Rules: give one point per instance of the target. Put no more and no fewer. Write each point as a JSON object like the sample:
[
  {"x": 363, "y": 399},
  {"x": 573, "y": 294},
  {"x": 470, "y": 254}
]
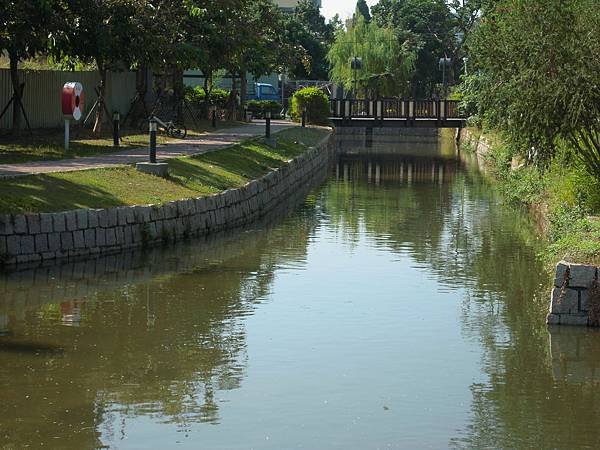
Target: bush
[
  {"x": 258, "y": 107},
  {"x": 196, "y": 96},
  {"x": 316, "y": 103}
]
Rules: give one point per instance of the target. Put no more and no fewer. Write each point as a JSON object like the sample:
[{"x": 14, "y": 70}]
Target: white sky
[{"x": 345, "y": 8}]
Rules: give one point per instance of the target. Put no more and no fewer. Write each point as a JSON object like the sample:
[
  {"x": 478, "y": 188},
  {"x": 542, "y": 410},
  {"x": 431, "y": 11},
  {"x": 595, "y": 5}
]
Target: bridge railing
[{"x": 393, "y": 108}]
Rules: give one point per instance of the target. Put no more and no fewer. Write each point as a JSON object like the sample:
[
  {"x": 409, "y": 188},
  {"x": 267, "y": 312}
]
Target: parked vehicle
[{"x": 264, "y": 91}]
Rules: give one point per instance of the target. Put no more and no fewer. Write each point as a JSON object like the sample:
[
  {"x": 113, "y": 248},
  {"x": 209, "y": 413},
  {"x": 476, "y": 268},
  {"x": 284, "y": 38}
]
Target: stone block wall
[
  {"x": 575, "y": 296},
  {"x": 35, "y": 238}
]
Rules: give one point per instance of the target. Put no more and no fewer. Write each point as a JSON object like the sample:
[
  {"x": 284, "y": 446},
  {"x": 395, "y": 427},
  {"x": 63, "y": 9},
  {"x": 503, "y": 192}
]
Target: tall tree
[
  {"x": 363, "y": 9},
  {"x": 25, "y": 28},
  {"x": 387, "y": 64}
]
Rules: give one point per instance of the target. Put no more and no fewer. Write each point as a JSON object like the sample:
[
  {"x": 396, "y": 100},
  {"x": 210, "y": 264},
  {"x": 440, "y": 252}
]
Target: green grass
[
  {"x": 189, "y": 177},
  {"x": 47, "y": 145}
]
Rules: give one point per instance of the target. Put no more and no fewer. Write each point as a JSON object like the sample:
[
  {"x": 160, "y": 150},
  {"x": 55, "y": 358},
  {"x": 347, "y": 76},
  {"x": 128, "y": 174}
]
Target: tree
[
  {"x": 387, "y": 64},
  {"x": 540, "y": 75},
  {"x": 430, "y": 27},
  {"x": 104, "y": 32},
  {"x": 25, "y": 28},
  {"x": 363, "y": 9}
]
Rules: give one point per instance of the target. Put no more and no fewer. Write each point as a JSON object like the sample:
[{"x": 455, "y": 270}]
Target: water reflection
[{"x": 401, "y": 306}]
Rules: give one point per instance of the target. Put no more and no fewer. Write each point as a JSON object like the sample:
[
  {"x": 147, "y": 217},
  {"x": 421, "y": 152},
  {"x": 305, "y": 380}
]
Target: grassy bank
[
  {"x": 563, "y": 196},
  {"x": 47, "y": 145},
  {"x": 189, "y": 177}
]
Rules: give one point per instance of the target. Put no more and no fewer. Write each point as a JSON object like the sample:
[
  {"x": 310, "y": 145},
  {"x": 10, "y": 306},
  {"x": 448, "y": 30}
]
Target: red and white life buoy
[{"x": 73, "y": 100}]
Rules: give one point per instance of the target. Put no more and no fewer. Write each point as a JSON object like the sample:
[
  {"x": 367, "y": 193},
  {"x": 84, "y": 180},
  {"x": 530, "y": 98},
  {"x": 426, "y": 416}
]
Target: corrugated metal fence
[{"x": 43, "y": 89}]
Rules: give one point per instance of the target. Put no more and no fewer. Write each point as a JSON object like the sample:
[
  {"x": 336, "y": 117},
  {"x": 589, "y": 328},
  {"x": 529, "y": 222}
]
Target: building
[{"x": 289, "y": 5}]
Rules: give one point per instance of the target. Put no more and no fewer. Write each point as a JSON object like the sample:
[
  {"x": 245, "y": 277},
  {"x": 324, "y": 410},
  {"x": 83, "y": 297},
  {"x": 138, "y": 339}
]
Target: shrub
[
  {"x": 316, "y": 103},
  {"x": 196, "y": 96},
  {"x": 258, "y": 107}
]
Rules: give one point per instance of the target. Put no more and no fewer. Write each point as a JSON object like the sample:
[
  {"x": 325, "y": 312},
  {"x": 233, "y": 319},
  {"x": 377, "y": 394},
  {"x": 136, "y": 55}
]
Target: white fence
[{"x": 41, "y": 97}]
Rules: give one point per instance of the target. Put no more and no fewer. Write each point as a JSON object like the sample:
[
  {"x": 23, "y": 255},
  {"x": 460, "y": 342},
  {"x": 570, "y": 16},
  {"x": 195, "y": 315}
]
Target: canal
[{"x": 401, "y": 305}]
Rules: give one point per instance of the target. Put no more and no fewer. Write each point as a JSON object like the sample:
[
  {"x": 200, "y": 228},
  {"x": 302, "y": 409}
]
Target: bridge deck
[{"x": 396, "y": 113}]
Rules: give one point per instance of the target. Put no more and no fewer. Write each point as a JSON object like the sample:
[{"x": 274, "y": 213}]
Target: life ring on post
[{"x": 73, "y": 100}]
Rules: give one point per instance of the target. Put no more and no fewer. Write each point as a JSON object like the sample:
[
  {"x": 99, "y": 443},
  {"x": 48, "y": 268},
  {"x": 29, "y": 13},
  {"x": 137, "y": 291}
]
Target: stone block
[
  {"x": 19, "y": 224},
  {"x": 29, "y": 258},
  {"x": 66, "y": 241},
  {"x": 82, "y": 219},
  {"x": 89, "y": 237},
  {"x": 3, "y": 248},
  {"x": 13, "y": 245},
  {"x": 27, "y": 245},
  {"x": 130, "y": 215},
  {"x": 574, "y": 319},
  {"x": 120, "y": 235},
  {"x": 93, "y": 221},
  {"x": 78, "y": 239},
  {"x": 54, "y": 242},
  {"x": 112, "y": 217},
  {"x": 33, "y": 223},
  {"x": 170, "y": 209},
  {"x": 100, "y": 237},
  {"x": 71, "y": 220},
  {"x": 46, "y": 223},
  {"x": 60, "y": 222},
  {"x": 141, "y": 214},
  {"x": 201, "y": 205},
  {"x": 127, "y": 231},
  {"x": 582, "y": 276},
  {"x": 111, "y": 237},
  {"x": 157, "y": 213},
  {"x": 6, "y": 226},
  {"x": 568, "y": 304},
  {"x": 102, "y": 218},
  {"x": 156, "y": 169},
  {"x": 41, "y": 243},
  {"x": 48, "y": 256}
]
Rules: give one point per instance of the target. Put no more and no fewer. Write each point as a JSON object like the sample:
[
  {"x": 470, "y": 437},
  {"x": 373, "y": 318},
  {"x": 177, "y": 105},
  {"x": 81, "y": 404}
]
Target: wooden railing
[{"x": 387, "y": 108}]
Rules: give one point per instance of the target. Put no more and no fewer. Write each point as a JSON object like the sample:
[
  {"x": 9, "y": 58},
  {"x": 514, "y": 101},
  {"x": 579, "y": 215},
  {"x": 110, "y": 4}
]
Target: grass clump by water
[
  {"x": 189, "y": 177},
  {"x": 564, "y": 196}
]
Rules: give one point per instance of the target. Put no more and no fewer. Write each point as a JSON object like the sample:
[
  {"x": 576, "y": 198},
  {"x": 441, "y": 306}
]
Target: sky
[{"x": 344, "y": 8}]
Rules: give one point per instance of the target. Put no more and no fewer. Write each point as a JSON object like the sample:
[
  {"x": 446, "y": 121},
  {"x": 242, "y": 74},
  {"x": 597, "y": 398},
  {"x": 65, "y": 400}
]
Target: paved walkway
[{"x": 190, "y": 146}]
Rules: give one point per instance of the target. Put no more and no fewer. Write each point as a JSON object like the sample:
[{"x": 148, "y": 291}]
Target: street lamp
[
  {"x": 443, "y": 64},
  {"x": 356, "y": 65},
  {"x": 283, "y": 79}
]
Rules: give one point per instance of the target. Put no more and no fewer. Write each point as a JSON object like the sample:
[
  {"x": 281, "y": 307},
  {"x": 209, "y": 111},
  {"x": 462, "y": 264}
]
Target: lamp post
[
  {"x": 282, "y": 79},
  {"x": 153, "y": 127},
  {"x": 443, "y": 64},
  {"x": 356, "y": 65}
]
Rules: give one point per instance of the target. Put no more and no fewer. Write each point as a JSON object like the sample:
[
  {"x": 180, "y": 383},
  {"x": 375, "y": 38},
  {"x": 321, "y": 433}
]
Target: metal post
[
  {"x": 304, "y": 117},
  {"x": 214, "y": 118},
  {"x": 153, "y": 127},
  {"x": 268, "y": 124},
  {"x": 67, "y": 128},
  {"x": 116, "y": 128}
]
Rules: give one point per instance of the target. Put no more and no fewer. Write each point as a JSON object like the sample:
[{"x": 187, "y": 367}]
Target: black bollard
[
  {"x": 153, "y": 128},
  {"x": 304, "y": 117},
  {"x": 214, "y": 118},
  {"x": 116, "y": 129},
  {"x": 268, "y": 124}
]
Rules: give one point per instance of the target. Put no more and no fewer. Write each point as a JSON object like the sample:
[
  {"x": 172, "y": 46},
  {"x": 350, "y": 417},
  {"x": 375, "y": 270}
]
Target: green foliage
[
  {"x": 197, "y": 96},
  {"x": 316, "y": 103},
  {"x": 540, "y": 76},
  {"x": 363, "y": 9},
  {"x": 387, "y": 63},
  {"x": 259, "y": 106}
]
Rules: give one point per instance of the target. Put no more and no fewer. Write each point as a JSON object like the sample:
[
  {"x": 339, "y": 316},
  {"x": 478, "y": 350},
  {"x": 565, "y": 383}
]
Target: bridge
[{"x": 396, "y": 113}]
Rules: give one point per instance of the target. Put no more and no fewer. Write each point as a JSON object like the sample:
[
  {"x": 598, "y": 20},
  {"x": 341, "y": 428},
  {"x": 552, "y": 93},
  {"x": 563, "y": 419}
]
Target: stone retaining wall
[
  {"x": 32, "y": 239},
  {"x": 575, "y": 296}
]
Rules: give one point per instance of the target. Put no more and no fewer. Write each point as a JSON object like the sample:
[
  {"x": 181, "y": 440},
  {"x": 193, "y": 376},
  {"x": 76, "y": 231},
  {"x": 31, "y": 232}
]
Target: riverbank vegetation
[
  {"x": 189, "y": 177},
  {"x": 536, "y": 87}
]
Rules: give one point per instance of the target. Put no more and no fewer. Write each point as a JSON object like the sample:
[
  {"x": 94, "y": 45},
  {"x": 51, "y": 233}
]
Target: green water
[{"x": 400, "y": 306}]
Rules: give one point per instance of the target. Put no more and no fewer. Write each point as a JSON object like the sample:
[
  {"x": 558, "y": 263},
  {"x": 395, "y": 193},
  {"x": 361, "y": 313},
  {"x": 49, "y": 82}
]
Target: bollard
[
  {"x": 153, "y": 128},
  {"x": 268, "y": 124},
  {"x": 116, "y": 129},
  {"x": 214, "y": 118},
  {"x": 304, "y": 117}
]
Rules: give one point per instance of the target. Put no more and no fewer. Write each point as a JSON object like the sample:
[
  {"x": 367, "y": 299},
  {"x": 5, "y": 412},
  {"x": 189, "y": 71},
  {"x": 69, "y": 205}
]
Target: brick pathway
[{"x": 190, "y": 146}]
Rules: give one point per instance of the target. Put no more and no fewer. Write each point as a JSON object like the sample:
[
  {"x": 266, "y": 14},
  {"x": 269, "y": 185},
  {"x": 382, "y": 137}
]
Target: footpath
[{"x": 188, "y": 147}]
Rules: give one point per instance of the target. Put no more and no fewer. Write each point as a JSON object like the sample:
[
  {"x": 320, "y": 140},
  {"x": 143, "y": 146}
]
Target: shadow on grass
[{"x": 51, "y": 194}]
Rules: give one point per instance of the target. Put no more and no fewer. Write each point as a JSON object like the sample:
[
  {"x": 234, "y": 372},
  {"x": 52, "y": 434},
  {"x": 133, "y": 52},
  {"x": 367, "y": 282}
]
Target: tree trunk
[
  {"x": 243, "y": 87},
  {"x": 16, "y": 106},
  {"x": 178, "y": 93},
  {"x": 101, "y": 101}
]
